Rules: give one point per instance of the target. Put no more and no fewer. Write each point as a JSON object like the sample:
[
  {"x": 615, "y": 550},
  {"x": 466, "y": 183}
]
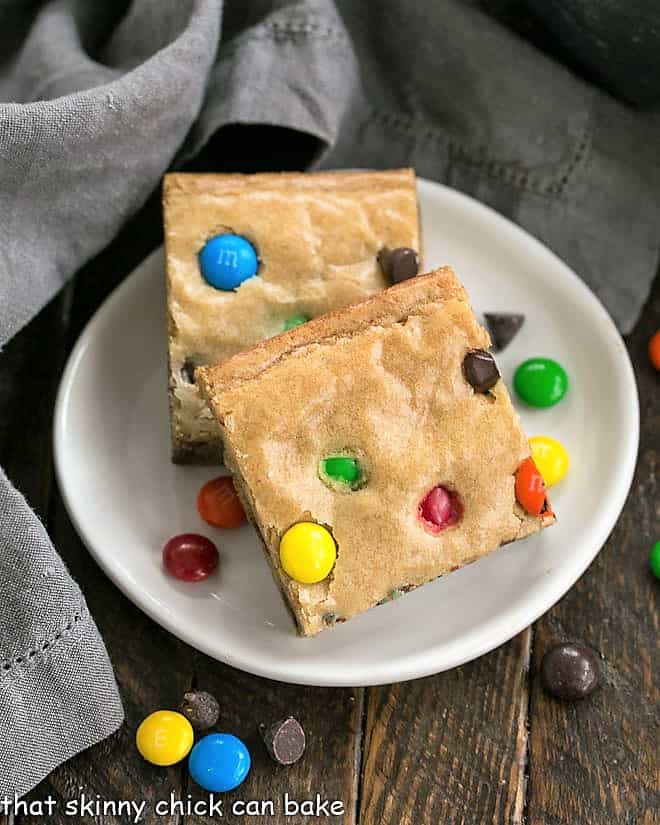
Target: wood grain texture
[
  {"x": 595, "y": 762},
  {"x": 332, "y": 720},
  {"x": 450, "y": 748}
]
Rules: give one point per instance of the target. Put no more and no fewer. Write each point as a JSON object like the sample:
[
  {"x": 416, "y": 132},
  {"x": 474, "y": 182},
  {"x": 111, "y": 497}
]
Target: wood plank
[
  {"x": 332, "y": 720},
  {"x": 450, "y": 748},
  {"x": 596, "y": 761}
]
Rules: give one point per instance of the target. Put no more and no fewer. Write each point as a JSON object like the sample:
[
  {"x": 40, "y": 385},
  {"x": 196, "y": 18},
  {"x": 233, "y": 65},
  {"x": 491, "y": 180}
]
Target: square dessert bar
[
  {"x": 376, "y": 449},
  {"x": 249, "y": 256}
]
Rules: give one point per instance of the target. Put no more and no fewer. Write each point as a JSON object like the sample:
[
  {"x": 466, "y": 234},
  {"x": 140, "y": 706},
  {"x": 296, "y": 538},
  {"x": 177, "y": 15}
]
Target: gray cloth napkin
[{"x": 102, "y": 97}]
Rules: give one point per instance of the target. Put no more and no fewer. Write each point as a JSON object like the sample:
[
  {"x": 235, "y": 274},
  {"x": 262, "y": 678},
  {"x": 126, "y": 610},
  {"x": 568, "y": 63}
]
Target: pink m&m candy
[{"x": 439, "y": 509}]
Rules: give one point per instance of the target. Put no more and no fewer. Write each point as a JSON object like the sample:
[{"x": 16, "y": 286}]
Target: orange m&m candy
[
  {"x": 219, "y": 505},
  {"x": 654, "y": 350},
  {"x": 530, "y": 489}
]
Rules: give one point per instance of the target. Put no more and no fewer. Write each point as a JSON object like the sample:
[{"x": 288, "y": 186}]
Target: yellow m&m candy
[
  {"x": 550, "y": 457},
  {"x": 164, "y": 737},
  {"x": 307, "y": 552}
]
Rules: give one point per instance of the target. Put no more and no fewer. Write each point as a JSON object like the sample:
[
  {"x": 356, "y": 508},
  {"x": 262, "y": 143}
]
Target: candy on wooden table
[
  {"x": 190, "y": 557},
  {"x": 164, "y": 738},
  {"x": 550, "y": 457},
  {"x": 284, "y": 740},
  {"x": 200, "y": 708},
  {"x": 654, "y": 349},
  {"x": 228, "y": 260},
  {"x": 654, "y": 559},
  {"x": 570, "y": 670},
  {"x": 219, "y": 762},
  {"x": 540, "y": 382},
  {"x": 307, "y": 552},
  {"x": 219, "y": 505}
]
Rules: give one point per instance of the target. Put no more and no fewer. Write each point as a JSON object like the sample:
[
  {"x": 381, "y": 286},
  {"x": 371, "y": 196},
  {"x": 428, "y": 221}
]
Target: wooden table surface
[{"x": 481, "y": 744}]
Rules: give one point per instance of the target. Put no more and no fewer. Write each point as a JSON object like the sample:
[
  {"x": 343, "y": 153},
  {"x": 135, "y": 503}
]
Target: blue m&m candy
[
  {"x": 219, "y": 762},
  {"x": 228, "y": 260}
]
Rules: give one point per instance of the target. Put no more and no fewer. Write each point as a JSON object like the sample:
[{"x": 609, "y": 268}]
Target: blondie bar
[
  {"x": 249, "y": 256},
  {"x": 376, "y": 449}
]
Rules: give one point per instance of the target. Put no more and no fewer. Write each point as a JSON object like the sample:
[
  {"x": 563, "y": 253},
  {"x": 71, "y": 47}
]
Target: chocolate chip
[
  {"x": 188, "y": 370},
  {"x": 201, "y": 709},
  {"x": 570, "y": 671},
  {"x": 480, "y": 370},
  {"x": 398, "y": 264},
  {"x": 329, "y": 618},
  {"x": 284, "y": 741},
  {"x": 503, "y": 327}
]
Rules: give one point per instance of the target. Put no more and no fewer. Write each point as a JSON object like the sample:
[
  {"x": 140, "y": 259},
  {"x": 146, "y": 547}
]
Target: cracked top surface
[
  {"x": 382, "y": 381},
  {"x": 317, "y": 236}
]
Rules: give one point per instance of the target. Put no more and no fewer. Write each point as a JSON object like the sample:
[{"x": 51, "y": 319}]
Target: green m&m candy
[
  {"x": 654, "y": 559},
  {"x": 295, "y": 321},
  {"x": 342, "y": 470},
  {"x": 540, "y": 382}
]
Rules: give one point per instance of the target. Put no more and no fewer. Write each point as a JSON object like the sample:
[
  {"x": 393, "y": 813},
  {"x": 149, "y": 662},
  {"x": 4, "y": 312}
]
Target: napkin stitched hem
[{"x": 57, "y": 700}]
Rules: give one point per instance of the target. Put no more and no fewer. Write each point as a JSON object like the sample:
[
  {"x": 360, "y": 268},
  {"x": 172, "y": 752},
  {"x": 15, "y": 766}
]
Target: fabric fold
[{"x": 58, "y": 694}]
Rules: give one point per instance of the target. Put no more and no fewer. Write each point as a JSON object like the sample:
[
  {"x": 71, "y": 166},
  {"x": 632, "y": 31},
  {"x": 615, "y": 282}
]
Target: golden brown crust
[
  {"x": 388, "y": 307},
  {"x": 317, "y": 236},
  {"x": 382, "y": 380},
  {"x": 189, "y": 183}
]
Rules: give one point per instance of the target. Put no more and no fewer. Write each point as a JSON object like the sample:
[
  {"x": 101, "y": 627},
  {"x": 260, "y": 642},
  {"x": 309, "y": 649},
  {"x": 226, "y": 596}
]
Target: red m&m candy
[
  {"x": 439, "y": 509},
  {"x": 190, "y": 557}
]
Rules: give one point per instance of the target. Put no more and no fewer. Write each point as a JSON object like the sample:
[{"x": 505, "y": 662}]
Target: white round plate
[{"x": 126, "y": 498}]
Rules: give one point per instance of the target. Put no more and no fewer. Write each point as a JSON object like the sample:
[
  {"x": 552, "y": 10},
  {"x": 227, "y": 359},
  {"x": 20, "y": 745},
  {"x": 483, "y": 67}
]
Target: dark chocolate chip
[
  {"x": 570, "y": 671},
  {"x": 398, "y": 264},
  {"x": 284, "y": 741},
  {"x": 201, "y": 709},
  {"x": 188, "y": 370},
  {"x": 503, "y": 327},
  {"x": 329, "y": 618},
  {"x": 480, "y": 370}
]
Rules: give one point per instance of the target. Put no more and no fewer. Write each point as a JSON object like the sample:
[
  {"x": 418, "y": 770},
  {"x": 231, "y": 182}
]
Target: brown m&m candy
[
  {"x": 284, "y": 741},
  {"x": 480, "y": 370},
  {"x": 398, "y": 264},
  {"x": 570, "y": 671}
]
